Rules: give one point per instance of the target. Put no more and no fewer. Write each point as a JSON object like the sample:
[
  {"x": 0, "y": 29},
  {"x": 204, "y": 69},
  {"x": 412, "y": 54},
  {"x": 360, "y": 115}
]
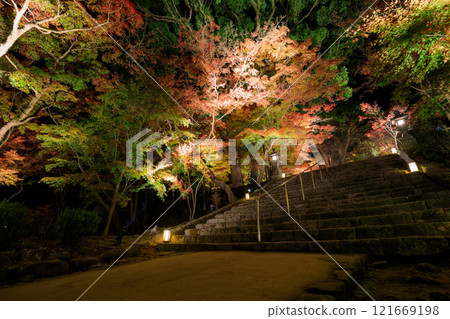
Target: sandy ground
[{"x": 233, "y": 275}]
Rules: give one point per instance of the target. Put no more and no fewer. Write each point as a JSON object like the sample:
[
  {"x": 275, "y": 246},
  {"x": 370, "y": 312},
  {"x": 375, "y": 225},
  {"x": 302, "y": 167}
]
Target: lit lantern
[
  {"x": 247, "y": 196},
  {"x": 413, "y": 167},
  {"x": 400, "y": 122},
  {"x": 394, "y": 150},
  {"x": 166, "y": 235},
  {"x": 283, "y": 175}
]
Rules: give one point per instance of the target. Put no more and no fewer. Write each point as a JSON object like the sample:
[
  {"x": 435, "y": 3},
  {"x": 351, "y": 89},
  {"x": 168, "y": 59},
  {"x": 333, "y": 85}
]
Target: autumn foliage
[{"x": 382, "y": 127}]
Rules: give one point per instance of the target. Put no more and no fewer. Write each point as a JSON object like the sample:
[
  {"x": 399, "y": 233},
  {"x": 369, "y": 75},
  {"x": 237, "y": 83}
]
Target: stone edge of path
[{"x": 342, "y": 287}]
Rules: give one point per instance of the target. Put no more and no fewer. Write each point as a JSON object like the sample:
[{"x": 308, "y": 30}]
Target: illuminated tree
[
  {"x": 49, "y": 51},
  {"x": 383, "y": 128},
  {"x": 411, "y": 50}
]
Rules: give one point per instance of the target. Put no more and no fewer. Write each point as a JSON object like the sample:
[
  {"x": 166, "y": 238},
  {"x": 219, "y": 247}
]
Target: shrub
[
  {"x": 73, "y": 223},
  {"x": 433, "y": 140},
  {"x": 14, "y": 223}
]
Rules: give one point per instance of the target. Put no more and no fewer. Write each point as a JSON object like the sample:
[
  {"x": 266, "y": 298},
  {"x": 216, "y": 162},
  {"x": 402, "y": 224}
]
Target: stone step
[
  {"x": 328, "y": 213},
  {"x": 295, "y": 194},
  {"x": 285, "y": 223},
  {"x": 375, "y": 248},
  {"x": 362, "y": 201},
  {"x": 349, "y": 198},
  {"x": 372, "y": 207},
  {"x": 390, "y": 214},
  {"x": 357, "y": 181},
  {"x": 361, "y": 232},
  {"x": 362, "y": 176},
  {"x": 380, "y": 187}
]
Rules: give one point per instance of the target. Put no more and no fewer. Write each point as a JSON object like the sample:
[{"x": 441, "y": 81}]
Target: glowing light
[
  {"x": 394, "y": 150},
  {"x": 401, "y": 122},
  {"x": 166, "y": 235},
  {"x": 283, "y": 175},
  {"x": 413, "y": 167},
  {"x": 275, "y": 157},
  {"x": 247, "y": 196}
]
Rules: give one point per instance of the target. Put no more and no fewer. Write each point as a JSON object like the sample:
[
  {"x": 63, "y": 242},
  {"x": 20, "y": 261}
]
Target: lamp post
[
  {"x": 398, "y": 125},
  {"x": 274, "y": 159}
]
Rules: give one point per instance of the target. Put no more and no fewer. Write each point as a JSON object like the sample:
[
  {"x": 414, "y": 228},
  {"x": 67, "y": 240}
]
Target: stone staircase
[{"x": 373, "y": 207}]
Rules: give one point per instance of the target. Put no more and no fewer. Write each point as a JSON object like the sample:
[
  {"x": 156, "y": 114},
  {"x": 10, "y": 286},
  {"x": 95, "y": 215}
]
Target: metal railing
[{"x": 258, "y": 218}]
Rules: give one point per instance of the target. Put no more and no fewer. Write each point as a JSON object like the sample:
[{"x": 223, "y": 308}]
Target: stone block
[
  {"x": 48, "y": 268},
  {"x": 412, "y": 206},
  {"x": 414, "y": 246},
  {"x": 370, "y": 247},
  {"x": 415, "y": 230},
  {"x": 335, "y": 223},
  {"x": 375, "y": 231},
  {"x": 285, "y": 235},
  {"x": 83, "y": 263},
  {"x": 337, "y": 233},
  {"x": 337, "y": 289},
  {"x": 191, "y": 232},
  {"x": 331, "y": 246},
  {"x": 430, "y": 215}
]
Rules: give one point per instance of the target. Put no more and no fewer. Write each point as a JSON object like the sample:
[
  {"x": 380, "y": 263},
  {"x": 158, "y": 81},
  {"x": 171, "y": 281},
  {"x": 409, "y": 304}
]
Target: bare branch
[
  {"x": 272, "y": 12},
  {"x": 20, "y": 13},
  {"x": 10, "y": 61},
  {"x": 49, "y": 31},
  {"x": 312, "y": 8}
]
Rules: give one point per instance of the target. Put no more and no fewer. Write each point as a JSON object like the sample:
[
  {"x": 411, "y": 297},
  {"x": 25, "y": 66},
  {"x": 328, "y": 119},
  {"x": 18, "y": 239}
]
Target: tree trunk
[
  {"x": 111, "y": 211},
  {"x": 254, "y": 169},
  {"x": 204, "y": 196},
  {"x": 222, "y": 185},
  {"x": 133, "y": 212},
  {"x": 236, "y": 176},
  {"x": 343, "y": 150}
]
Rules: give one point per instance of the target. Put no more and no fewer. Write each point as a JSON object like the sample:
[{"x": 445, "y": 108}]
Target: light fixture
[
  {"x": 413, "y": 167},
  {"x": 247, "y": 196},
  {"x": 275, "y": 157},
  {"x": 283, "y": 175},
  {"x": 166, "y": 235},
  {"x": 401, "y": 122},
  {"x": 249, "y": 190},
  {"x": 394, "y": 150}
]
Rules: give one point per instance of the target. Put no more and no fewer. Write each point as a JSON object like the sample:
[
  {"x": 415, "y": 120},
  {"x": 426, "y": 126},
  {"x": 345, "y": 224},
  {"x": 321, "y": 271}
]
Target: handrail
[
  {"x": 258, "y": 221},
  {"x": 282, "y": 184}
]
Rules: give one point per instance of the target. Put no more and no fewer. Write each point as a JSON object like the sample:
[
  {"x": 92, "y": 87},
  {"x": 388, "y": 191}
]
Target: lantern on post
[
  {"x": 399, "y": 120},
  {"x": 167, "y": 234},
  {"x": 413, "y": 167},
  {"x": 399, "y": 128},
  {"x": 274, "y": 159}
]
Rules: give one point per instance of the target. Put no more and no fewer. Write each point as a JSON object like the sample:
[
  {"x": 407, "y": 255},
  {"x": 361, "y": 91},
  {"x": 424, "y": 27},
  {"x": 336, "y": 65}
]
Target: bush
[
  {"x": 365, "y": 149},
  {"x": 73, "y": 223},
  {"x": 433, "y": 140},
  {"x": 14, "y": 223}
]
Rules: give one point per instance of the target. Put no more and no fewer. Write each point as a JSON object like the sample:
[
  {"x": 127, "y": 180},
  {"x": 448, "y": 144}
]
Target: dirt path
[{"x": 194, "y": 276}]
